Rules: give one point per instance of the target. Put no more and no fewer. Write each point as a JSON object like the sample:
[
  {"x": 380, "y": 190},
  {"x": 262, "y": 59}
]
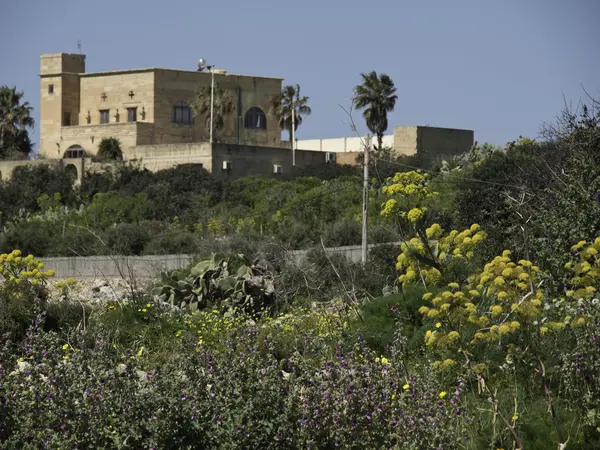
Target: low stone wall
[
  {"x": 144, "y": 267},
  {"x": 115, "y": 267}
]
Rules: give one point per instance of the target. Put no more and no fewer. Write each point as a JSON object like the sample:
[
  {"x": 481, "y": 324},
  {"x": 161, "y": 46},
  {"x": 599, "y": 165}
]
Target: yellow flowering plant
[
  {"x": 430, "y": 254},
  {"x": 412, "y": 188},
  {"x": 502, "y": 322},
  {"x": 23, "y": 290},
  {"x": 498, "y": 307},
  {"x": 428, "y": 258}
]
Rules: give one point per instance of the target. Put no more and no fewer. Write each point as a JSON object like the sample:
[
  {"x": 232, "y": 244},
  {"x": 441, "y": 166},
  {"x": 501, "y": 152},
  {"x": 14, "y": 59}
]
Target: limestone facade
[{"x": 145, "y": 107}]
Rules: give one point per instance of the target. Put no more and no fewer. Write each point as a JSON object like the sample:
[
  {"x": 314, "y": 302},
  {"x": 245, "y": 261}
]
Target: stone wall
[
  {"x": 150, "y": 266},
  {"x": 174, "y": 86},
  {"x": 405, "y": 140},
  {"x": 436, "y": 144},
  {"x": 165, "y": 156},
  {"x": 89, "y": 136},
  {"x": 251, "y": 160},
  {"x": 79, "y": 164},
  {"x": 111, "y": 91}
]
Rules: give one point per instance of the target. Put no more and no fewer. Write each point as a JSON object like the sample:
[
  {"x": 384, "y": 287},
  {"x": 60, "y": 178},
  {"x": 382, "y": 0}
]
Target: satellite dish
[{"x": 201, "y": 65}]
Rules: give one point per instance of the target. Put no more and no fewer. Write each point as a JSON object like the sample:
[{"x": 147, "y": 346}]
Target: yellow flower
[
  {"x": 499, "y": 281},
  {"x": 496, "y": 310},
  {"x": 144, "y": 310},
  {"x": 415, "y": 214},
  {"x": 406, "y": 386},
  {"x": 65, "y": 347},
  {"x": 442, "y": 394},
  {"x": 148, "y": 305},
  {"x": 438, "y": 325},
  {"x": 453, "y": 336},
  {"x": 515, "y": 417}
]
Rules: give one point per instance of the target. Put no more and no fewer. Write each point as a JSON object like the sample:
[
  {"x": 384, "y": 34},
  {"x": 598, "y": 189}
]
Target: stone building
[
  {"x": 148, "y": 110},
  {"x": 429, "y": 144},
  {"x": 144, "y": 107}
]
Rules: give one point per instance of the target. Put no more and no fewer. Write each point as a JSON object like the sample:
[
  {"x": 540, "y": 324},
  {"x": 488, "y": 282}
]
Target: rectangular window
[
  {"x": 131, "y": 114},
  {"x": 50, "y": 89},
  {"x": 67, "y": 119},
  {"x": 104, "y": 116}
]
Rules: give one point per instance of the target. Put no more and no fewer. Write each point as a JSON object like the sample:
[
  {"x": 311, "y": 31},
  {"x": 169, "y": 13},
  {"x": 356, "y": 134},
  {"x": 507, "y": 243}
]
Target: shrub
[
  {"x": 61, "y": 393},
  {"x": 109, "y": 149},
  {"x": 125, "y": 239},
  {"x": 231, "y": 281},
  {"x": 23, "y": 292}
]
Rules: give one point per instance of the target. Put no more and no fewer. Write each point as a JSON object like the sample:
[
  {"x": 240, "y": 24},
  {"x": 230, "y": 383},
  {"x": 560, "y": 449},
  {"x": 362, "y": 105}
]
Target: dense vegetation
[
  {"x": 134, "y": 211},
  {"x": 480, "y": 330}
]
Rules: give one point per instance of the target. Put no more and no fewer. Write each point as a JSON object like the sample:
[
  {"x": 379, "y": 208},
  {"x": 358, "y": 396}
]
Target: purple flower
[{"x": 394, "y": 308}]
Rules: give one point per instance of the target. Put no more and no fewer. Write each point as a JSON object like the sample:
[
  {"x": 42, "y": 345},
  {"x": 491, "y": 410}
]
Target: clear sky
[{"x": 499, "y": 67}]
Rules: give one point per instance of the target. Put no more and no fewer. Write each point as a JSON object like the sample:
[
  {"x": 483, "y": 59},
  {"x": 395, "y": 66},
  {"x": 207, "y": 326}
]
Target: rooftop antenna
[{"x": 78, "y": 46}]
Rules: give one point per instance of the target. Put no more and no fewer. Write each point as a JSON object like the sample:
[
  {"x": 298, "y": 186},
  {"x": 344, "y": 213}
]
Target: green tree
[
  {"x": 109, "y": 149},
  {"x": 223, "y": 105},
  {"x": 283, "y": 104},
  {"x": 378, "y": 95},
  {"x": 15, "y": 119}
]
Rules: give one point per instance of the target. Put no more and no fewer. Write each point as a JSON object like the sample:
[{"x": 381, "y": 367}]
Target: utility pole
[
  {"x": 365, "y": 225},
  {"x": 293, "y": 135},
  {"x": 212, "y": 99}
]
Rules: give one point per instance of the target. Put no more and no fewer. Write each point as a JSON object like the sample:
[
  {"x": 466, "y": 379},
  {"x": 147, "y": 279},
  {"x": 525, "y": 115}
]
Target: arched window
[
  {"x": 255, "y": 119},
  {"x": 182, "y": 113},
  {"x": 74, "y": 151}
]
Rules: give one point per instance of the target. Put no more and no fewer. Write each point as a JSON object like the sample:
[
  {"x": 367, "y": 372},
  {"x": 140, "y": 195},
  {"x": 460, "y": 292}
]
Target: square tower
[{"x": 59, "y": 98}]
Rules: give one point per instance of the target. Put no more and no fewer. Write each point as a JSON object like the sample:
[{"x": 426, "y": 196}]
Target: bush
[
  {"x": 125, "y": 239},
  {"x": 227, "y": 393},
  {"x": 109, "y": 149},
  {"x": 23, "y": 292}
]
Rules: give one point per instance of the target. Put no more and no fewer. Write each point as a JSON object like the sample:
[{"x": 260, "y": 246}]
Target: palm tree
[
  {"x": 15, "y": 119},
  {"x": 378, "y": 96},
  {"x": 283, "y": 104},
  {"x": 223, "y": 105}
]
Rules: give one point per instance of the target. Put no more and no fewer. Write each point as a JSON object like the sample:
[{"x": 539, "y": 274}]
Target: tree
[
  {"x": 283, "y": 104},
  {"x": 109, "y": 149},
  {"x": 223, "y": 105},
  {"x": 378, "y": 96},
  {"x": 15, "y": 119}
]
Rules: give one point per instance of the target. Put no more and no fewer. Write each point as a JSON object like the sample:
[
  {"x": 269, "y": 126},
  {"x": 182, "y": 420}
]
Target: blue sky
[{"x": 500, "y": 67}]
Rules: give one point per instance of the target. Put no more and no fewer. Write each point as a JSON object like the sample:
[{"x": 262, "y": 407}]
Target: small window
[
  {"x": 67, "y": 119},
  {"x": 182, "y": 113},
  {"x": 50, "y": 89},
  {"x": 131, "y": 114},
  {"x": 104, "y": 116},
  {"x": 255, "y": 119}
]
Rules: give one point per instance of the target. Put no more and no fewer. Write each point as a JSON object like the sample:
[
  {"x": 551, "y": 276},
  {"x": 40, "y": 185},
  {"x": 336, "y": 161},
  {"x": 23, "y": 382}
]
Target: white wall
[{"x": 340, "y": 145}]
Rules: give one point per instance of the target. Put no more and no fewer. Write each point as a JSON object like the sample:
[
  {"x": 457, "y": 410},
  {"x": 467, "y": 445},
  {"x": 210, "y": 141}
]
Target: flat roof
[{"x": 153, "y": 69}]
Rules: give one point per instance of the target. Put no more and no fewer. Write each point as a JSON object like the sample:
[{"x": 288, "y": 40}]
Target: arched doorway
[{"x": 71, "y": 171}]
